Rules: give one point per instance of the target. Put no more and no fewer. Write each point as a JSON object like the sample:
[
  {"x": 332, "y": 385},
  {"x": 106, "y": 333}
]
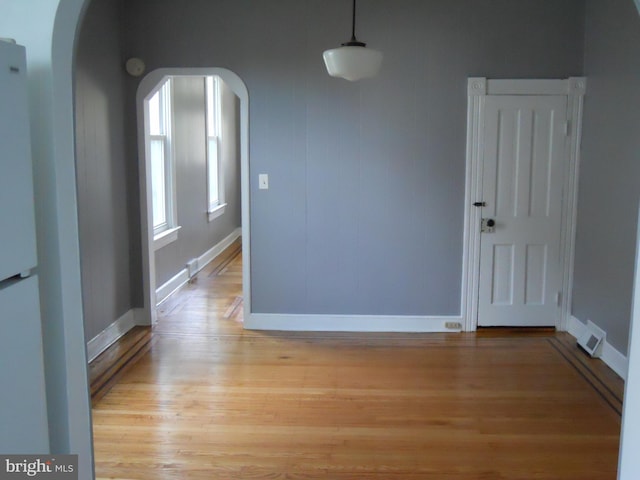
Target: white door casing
[
  {"x": 522, "y": 159},
  {"x": 530, "y": 117}
]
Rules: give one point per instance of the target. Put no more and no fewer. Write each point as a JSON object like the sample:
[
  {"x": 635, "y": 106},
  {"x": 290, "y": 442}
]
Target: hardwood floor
[
  {"x": 212, "y": 401},
  {"x": 110, "y": 366}
]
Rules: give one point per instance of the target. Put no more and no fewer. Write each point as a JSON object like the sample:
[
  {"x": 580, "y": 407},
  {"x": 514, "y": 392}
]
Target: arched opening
[{"x": 146, "y": 90}]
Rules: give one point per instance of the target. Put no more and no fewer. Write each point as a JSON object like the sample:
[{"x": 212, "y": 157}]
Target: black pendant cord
[
  {"x": 354, "y": 42},
  {"x": 353, "y": 23}
]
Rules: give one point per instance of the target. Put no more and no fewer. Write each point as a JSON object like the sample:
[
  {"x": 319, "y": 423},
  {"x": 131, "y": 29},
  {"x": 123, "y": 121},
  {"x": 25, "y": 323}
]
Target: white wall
[
  {"x": 629, "y": 468},
  {"x": 630, "y": 440}
]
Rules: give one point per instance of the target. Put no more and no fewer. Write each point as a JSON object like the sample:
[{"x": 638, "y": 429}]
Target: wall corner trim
[
  {"x": 612, "y": 357},
  {"x": 111, "y": 334},
  {"x": 179, "y": 279}
]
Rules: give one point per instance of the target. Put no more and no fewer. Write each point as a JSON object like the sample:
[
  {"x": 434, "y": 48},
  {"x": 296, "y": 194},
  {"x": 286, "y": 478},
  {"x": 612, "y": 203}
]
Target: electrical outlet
[{"x": 453, "y": 325}]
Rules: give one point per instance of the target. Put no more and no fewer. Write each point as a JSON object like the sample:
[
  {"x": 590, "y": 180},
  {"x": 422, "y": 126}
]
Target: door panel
[
  {"x": 520, "y": 269},
  {"x": 536, "y": 274},
  {"x": 502, "y": 288}
]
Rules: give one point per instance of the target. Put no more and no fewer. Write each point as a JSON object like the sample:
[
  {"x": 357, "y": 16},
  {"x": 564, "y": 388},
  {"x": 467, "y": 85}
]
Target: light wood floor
[{"x": 212, "y": 401}]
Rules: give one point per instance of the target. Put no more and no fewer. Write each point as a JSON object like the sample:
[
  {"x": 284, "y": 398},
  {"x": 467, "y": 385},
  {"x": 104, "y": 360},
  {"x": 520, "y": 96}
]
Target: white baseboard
[
  {"x": 178, "y": 280},
  {"x": 164, "y": 291},
  {"x": 350, "y": 323},
  {"x": 210, "y": 255},
  {"x": 612, "y": 357},
  {"x": 112, "y": 333}
]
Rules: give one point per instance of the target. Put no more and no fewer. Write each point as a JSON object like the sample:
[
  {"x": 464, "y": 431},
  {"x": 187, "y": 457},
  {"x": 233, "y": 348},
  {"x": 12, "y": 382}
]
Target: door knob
[{"x": 488, "y": 225}]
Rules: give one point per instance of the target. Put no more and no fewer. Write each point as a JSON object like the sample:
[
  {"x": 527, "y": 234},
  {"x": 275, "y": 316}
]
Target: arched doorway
[{"x": 146, "y": 87}]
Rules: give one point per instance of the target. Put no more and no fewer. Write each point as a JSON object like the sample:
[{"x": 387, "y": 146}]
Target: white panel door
[{"x": 522, "y": 162}]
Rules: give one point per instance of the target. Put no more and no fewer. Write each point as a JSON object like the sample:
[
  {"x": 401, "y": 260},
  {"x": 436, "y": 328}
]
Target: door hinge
[
  {"x": 567, "y": 128},
  {"x": 559, "y": 299}
]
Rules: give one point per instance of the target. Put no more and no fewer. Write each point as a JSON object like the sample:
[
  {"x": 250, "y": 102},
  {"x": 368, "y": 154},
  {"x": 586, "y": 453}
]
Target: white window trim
[
  {"x": 171, "y": 209},
  {"x": 165, "y": 237},
  {"x": 167, "y": 183},
  {"x": 215, "y": 209}
]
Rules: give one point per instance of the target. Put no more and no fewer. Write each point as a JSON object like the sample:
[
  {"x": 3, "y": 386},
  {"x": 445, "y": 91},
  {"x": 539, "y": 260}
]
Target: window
[
  {"x": 215, "y": 182},
  {"x": 161, "y": 165}
]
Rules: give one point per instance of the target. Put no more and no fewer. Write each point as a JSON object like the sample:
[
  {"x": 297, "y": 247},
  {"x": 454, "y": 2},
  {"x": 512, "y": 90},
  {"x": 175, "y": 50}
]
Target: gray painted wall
[
  {"x": 103, "y": 169},
  {"x": 197, "y": 234},
  {"x": 610, "y": 170},
  {"x": 365, "y": 210}
]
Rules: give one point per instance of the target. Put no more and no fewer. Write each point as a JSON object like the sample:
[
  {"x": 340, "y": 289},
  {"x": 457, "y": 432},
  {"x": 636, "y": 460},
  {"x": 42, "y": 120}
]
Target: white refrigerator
[{"x": 23, "y": 410}]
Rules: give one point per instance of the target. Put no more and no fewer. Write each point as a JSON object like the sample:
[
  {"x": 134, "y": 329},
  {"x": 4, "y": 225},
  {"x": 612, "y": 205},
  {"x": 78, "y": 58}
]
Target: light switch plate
[{"x": 263, "y": 181}]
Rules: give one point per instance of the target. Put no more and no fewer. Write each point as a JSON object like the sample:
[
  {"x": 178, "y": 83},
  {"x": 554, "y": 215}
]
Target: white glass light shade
[{"x": 352, "y": 62}]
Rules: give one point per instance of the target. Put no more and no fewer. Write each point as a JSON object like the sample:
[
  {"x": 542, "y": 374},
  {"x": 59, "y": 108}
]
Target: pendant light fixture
[{"x": 353, "y": 61}]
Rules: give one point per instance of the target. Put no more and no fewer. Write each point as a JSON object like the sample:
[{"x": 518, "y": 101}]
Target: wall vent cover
[
  {"x": 591, "y": 340},
  {"x": 192, "y": 267}
]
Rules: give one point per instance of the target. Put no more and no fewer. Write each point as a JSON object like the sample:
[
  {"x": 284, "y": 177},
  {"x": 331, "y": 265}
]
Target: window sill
[
  {"x": 165, "y": 238},
  {"x": 217, "y": 212}
]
